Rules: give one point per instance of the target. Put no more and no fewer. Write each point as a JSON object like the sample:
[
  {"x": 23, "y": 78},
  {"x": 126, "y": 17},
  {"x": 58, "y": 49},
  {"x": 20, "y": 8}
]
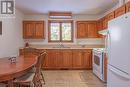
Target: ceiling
[{"x": 92, "y": 7}]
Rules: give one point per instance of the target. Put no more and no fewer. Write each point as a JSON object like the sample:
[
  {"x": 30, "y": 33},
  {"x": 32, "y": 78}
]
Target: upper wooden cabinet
[
  {"x": 120, "y": 11},
  {"x": 92, "y": 30},
  {"x": 110, "y": 16},
  {"x": 82, "y": 29},
  {"x": 128, "y": 7},
  {"x": 33, "y": 29},
  {"x": 100, "y": 24},
  {"x": 87, "y": 29},
  {"x": 105, "y": 22}
]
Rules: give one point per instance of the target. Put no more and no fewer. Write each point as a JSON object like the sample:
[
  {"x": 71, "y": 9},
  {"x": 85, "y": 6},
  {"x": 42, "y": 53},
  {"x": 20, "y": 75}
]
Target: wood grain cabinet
[
  {"x": 33, "y": 29},
  {"x": 128, "y": 7},
  {"x": 82, "y": 29},
  {"x": 110, "y": 16},
  {"x": 87, "y": 29},
  {"x": 67, "y": 59},
  {"x": 82, "y": 59},
  {"x": 92, "y": 30},
  {"x": 53, "y": 59},
  {"x": 120, "y": 11},
  {"x": 105, "y": 22}
]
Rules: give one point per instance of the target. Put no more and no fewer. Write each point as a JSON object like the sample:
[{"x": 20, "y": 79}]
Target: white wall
[
  {"x": 11, "y": 38},
  {"x": 45, "y": 18}
]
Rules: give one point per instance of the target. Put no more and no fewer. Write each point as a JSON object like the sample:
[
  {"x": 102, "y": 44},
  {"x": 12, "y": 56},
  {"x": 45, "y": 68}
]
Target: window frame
[{"x": 60, "y": 21}]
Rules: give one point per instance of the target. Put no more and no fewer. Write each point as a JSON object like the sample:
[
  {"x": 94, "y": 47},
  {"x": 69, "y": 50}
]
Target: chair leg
[{"x": 43, "y": 77}]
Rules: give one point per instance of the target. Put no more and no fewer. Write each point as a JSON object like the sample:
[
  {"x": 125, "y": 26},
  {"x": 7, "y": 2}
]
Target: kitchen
[{"x": 79, "y": 44}]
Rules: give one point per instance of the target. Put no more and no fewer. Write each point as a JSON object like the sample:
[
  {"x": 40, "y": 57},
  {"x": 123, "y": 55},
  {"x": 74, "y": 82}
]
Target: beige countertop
[{"x": 66, "y": 46}]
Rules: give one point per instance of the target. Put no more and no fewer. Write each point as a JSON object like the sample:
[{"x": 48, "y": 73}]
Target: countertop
[{"x": 66, "y": 46}]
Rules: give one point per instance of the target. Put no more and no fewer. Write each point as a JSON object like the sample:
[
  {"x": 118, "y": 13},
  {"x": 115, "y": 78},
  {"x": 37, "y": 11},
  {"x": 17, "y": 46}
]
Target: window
[{"x": 60, "y": 31}]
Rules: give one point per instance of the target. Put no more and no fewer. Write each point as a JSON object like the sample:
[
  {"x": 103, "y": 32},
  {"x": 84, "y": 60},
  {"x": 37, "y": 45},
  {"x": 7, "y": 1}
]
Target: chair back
[
  {"x": 40, "y": 60},
  {"x": 36, "y": 79}
]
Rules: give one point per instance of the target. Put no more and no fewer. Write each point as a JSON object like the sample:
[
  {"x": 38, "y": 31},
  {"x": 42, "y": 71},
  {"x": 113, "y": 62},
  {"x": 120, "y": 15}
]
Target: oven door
[{"x": 98, "y": 64}]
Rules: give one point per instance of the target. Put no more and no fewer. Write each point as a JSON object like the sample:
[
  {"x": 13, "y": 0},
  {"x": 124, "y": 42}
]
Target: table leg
[{"x": 10, "y": 82}]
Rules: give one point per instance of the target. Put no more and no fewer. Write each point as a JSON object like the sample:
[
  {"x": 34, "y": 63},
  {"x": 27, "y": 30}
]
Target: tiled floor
[{"x": 71, "y": 78}]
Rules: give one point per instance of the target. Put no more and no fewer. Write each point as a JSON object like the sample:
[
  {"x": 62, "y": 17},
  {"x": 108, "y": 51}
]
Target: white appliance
[
  {"x": 119, "y": 52},
  {"x": 98, "y": 63}
]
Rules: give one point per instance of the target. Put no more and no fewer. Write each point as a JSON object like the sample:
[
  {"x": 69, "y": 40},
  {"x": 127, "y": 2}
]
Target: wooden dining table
[{"x": 9, "y": 71}]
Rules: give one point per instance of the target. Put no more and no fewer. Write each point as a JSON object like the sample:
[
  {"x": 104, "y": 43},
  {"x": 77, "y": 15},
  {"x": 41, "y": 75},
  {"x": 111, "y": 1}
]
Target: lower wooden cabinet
[{"x": 67, "y": 59}]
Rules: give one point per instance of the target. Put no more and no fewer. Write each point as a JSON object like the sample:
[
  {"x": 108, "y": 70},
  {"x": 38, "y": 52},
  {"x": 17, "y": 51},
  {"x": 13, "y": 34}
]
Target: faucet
[{"x": 61, "y": 45}]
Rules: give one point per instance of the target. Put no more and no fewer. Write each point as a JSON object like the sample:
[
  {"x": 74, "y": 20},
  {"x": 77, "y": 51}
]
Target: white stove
[{"x": 98, "y": 62}]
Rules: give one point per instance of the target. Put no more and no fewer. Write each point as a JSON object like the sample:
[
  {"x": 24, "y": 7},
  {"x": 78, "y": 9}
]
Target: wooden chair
[
  {"x": 32, "y": 79},
  {"x": 3, "y": 85}
]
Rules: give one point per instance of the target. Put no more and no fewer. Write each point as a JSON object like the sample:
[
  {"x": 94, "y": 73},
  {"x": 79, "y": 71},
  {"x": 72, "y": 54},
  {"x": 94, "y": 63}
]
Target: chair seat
[
  {"x": 3, "y": 85},
  {"x": 26, "y": 78}
]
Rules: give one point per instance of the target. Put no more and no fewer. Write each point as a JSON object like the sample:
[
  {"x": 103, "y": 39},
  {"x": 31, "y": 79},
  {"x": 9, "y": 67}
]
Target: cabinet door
[
  {"x": 92, "y": 30},
  {"x": 87, "y": 58},
  {"x": 77, "y": 59},
  {"x": 82, "y": 30},
  {"x": 120, "y": 11},
  {"x": 28, "y": 30},
  {"x": 100, "y": 25},
  {"x": 52, "y": 59},
  {"x": 111, "y": 16},
  {"x": 128, "y": 7},
  {"x": 105, "y": 22},
  {"x": 39, "y": 30},
  {"x": 67, "y": 58}
]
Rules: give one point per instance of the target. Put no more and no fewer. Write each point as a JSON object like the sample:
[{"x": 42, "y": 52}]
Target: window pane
[
  {"x": 66, "y": 31},
  {"x": 55, "y": 31}
]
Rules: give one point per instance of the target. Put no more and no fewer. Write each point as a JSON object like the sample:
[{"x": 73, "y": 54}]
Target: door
[
  {"x": 82, "y": 29},
  {"x": 120, "y": 11},
  {"x": 53, "y": 59},
  {"x": 119, "y": 43},
  {"x": 78, "y": 59},
  {"x": 117, "y": 78},
  {"x": 87, "y": 59},
  {"x": 39, "y": 29},
  {"x": 128, "y": 7},
  {"x": 28, "y": 29},
  {"x": 67, "y": 58},
  {"x": 92, "y": 30}
]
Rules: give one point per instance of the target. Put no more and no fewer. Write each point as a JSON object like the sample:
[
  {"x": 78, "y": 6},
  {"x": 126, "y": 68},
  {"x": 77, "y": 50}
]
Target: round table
[{"x": 9, "y": 71}]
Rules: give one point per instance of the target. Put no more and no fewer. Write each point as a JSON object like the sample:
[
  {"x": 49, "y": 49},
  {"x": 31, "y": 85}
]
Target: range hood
[{"x": 103, "y": 32}]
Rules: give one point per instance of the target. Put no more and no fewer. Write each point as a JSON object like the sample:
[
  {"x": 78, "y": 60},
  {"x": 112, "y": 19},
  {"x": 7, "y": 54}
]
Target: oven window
[{"x": 96, "y": 60}]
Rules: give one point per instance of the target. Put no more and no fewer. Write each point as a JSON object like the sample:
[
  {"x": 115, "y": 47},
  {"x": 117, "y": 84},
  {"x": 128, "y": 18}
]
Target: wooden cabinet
[
  {"x": 87, "y": 59},
  {"x": 77, "y": 59},
  {"x": 33, "y": 29},
  {"x": 92, "y": 30},
  {"x": 105, "y": 67},
  {"x": 53, "y": 59},
  {"x": 67, "y": 58},
  {"x": 111, "y": 16},
  {"x": 120, "y": 11},
  {"x": 105, "y": 22},
  {"x": 82, "y": 59},
  {"x": 87, "y": 29},
  {"x": 128, "y": 7},
  {"x": 100, "y": 24},
  {"x": 82, "y": 29}
]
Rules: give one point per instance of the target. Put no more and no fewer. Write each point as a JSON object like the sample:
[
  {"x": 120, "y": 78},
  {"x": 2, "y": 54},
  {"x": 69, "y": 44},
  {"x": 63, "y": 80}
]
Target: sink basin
[{"x": 60, "y": 47}]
